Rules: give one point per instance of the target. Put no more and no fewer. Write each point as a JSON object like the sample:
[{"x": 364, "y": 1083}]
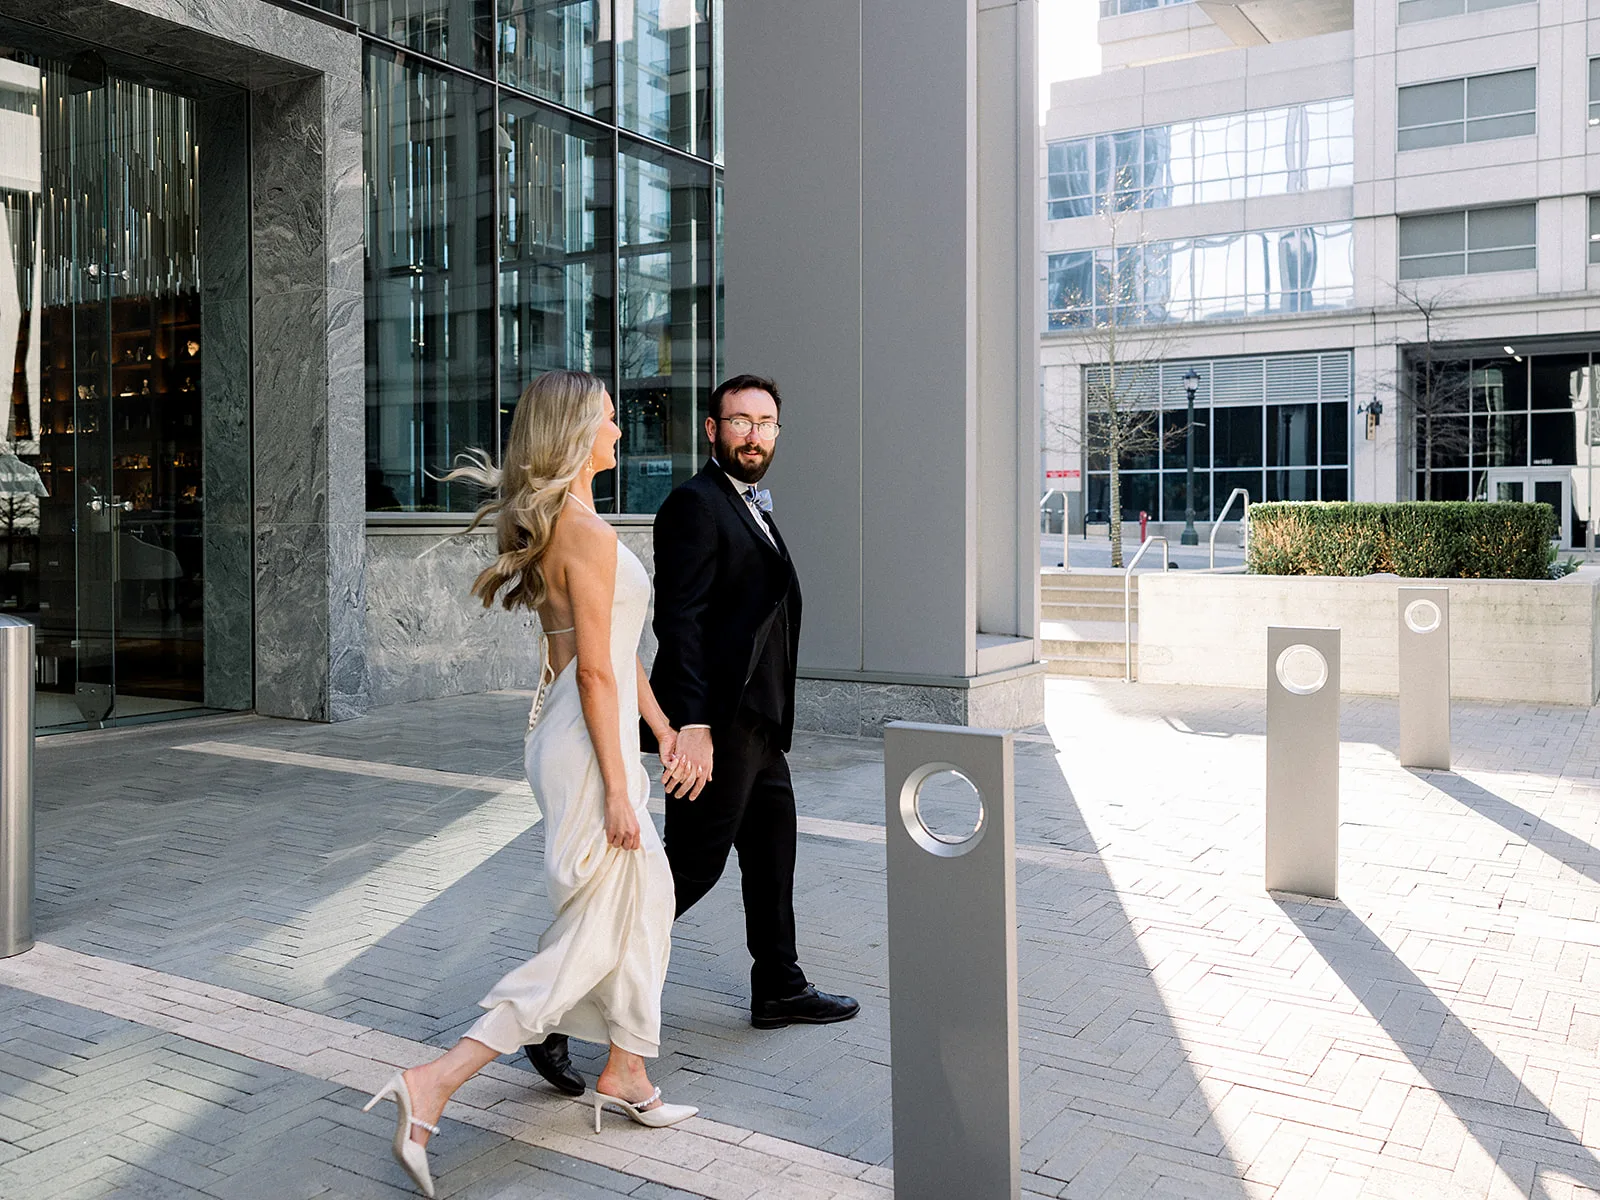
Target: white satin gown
[{"x": 601, "y": 964}]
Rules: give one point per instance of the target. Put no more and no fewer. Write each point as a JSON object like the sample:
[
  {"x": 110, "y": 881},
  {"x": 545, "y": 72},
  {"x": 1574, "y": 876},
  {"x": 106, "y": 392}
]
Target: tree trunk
[
  {"x": 1427, "y": 458},
  {"x": 1114, "y": 513}
]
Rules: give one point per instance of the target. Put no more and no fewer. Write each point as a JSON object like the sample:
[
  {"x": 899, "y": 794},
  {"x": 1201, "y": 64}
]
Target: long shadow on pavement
[
  {"x": 1514, "y": 1128},
  {"x": 1572, "y": 852}
]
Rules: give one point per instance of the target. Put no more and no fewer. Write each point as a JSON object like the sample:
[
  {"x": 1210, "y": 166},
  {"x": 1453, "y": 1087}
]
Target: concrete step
[
  {"x": 1084, "y": 668},
  {"x": 1086, "y": 610}
]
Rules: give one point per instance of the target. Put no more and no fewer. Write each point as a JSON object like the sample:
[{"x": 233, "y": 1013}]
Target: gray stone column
[
  {"x": 309, "y": 402},
  {"x": 305, "y": 322},
  {"x": 880, "y": 245}
]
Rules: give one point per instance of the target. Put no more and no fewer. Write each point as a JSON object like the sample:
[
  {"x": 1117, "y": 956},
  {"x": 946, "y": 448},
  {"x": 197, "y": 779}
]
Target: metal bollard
[
  {"x": 1425, "y": 678},
  {"x": 953, "y": 970},
  {"x": 1302, "y": 836},
  {"x": 16, "y": 786}
]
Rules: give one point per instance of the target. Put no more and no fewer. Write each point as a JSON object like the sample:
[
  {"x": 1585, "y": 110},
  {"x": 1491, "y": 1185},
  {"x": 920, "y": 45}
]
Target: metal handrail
[
  {"x": 1217, "y": 524},
  {"x": 1045, "y": 499},
  {"x": 1127, "y": 602}
]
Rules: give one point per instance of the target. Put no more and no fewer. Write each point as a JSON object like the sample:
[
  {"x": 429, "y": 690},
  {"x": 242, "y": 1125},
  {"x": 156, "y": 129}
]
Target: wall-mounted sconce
[{"x": 1374, "y": 411}]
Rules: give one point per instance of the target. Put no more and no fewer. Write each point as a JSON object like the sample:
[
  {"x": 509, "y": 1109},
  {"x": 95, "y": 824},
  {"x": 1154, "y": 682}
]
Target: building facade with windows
[
  {"x": 1373, "y": 237},
  {"x": 268, "y": 268}
]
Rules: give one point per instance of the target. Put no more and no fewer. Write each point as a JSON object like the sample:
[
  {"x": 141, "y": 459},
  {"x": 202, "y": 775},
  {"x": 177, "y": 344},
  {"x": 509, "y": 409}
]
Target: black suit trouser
[{"x": 747, "y": 806}]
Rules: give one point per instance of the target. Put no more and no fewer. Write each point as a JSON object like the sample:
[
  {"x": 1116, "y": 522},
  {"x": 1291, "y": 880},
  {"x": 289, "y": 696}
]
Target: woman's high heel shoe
[
  {"x": 656, "y": 1118},
  {"x": 410, "y": 1155}
]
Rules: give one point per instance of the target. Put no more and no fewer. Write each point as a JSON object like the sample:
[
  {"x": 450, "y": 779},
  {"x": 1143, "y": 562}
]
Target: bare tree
[
  {"x": 1125, "y": 340},
  {"x": 1433, "y": 382}
]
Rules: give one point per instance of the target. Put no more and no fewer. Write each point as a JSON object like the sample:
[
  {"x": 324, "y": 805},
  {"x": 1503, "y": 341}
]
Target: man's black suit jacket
[{"x": 719, "y": 585}]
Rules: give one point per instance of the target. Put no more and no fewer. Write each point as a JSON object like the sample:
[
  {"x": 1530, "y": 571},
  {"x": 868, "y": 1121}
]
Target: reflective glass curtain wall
[
  {"x": 1279, "y": 427},
  {"x": 540, "y": 178},
  {"x": 1493, "y": 421}
]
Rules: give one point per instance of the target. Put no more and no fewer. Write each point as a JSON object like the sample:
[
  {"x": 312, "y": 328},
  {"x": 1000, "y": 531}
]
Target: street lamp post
[{"x": 1191, "y": 384}]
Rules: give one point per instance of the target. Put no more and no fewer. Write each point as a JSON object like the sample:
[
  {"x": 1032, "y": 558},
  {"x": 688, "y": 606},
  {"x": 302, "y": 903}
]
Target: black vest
[{"x": 767, "y": 694}]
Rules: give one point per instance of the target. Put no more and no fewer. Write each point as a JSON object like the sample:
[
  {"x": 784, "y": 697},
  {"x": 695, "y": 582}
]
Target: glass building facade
[
  {"x": 1277, "y": 426},
  {"x": 1264, "y": 152},
  {"x": 1510, "y": 428},
  {"x": 1251, "y": 274},
  {"x": 543, "y": 190}
]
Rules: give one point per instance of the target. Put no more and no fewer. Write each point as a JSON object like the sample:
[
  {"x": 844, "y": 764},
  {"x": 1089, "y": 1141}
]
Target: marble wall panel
[
  {"x": 228, "y": 605},
  {"x": 427, "y": 635},
  {"x": 859, "y": 709}
]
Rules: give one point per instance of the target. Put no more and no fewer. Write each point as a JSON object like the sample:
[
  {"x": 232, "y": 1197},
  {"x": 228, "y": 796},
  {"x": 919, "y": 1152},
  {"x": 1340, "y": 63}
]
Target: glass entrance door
[
  {"x": 1537, "y": 486},
  {"x": 103, "y": 482}
]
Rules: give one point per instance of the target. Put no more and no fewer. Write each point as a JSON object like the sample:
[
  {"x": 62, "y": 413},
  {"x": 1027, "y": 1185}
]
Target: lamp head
[{"x": 1191, "y": 381}]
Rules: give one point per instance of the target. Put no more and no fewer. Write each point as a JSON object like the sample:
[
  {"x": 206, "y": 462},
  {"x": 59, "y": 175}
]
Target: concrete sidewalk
[{"x": 245, "y": 922}]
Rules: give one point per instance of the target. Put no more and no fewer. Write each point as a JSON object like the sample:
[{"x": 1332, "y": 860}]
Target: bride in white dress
[{"x": 601, "y": 964}]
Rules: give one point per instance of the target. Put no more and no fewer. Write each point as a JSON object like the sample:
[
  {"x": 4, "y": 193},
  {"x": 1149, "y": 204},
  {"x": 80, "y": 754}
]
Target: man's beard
[{"x": 744, "y": 468}]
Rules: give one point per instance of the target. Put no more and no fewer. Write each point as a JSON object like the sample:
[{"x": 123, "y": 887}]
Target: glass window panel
[
  {"x": 1223, "y": 483},
  {"x": 718, "y": 73},
  {"x": 1441, "y": 485},
  {"x": 1096, "y": 457},
  {"x": 1236, "y": 436},
  {"x": 1444, "y": 440},
  {"x": 1495, "y": 228},
  {"x": 1145, "y": 455},
  {"x": 1174, "y": 434},
  {"x": 1431, "y": 103},
  {"x": 1097, "y": 499},
  {"x": 663, "y": 52},
  {"x": 1070, "y": 288},
  {"x": 1594, "y": 91},
  {"x": 1432, "y": 233},
  {"x": 1554, "y": 438},
  {"x": 556, "y": 288},
  {"x": 1291, "y": 435},
  {"x": 1174, "y": 495},
  {"x": 1498, "y": 440},
  {"x": 664, "y": 314},
  {"x": 1484, "y": 5},
  {"x": 1500, "y": 386},
  {"x": 1486, "y": 262},
  {"x": 1594, "y": 229},
  {"x": 1336, "y": 433},
  {"x": 1427, "y": 10},
  {"x": 457, "y": 31},
  {"x": 558, "y": 49},
  {"x": 1559, "y": 381},
  {"x": 1291, "y": 485},
  {"x": 1489, "y": 128},
  {"x": 1140, "y": 493},
  {"x": 430, "y": 307},
  {"x": 1502, "y": 93},
  {"x": 1433, "y": 267},
  {"x": 1336, "y": 485},
  {"x": 1071, "y": 182},
  {"x": 1425, "y": 136},
  {"x": 1127, "y": 169}
]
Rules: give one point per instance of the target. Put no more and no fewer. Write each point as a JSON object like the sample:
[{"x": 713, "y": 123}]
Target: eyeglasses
[{"x": 767, "y": 431}]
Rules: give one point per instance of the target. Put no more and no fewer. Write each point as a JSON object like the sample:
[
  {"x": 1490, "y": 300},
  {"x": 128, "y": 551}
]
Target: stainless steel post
[
  {"x": 16, "y": 786},
  {"x": 952, "y": 969},
  {"x": 1302, "y": 836},
  {"x": 1425, "y": 677}
]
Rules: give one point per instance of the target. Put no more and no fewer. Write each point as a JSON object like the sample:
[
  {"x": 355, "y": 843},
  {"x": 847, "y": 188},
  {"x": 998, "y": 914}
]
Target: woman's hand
[
  {"x": 622, "y": 827},
  {"x": 667, "y": 740}
]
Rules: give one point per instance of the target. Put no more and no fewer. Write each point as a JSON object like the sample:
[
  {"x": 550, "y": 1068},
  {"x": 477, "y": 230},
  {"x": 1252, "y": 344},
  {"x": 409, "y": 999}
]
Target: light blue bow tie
[{"x": 761, "y": 498}]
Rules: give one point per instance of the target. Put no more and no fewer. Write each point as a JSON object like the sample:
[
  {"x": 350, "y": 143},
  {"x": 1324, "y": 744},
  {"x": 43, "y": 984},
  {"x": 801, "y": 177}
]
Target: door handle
[{"x": 99, "y": 505}]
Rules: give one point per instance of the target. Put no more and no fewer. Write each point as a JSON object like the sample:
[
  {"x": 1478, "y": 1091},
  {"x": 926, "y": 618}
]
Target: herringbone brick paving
[{"x": 1184, "y": 1034}]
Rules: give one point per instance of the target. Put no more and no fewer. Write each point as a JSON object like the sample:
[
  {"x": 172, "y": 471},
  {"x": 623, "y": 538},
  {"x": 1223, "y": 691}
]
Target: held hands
[
  {"x": 687, "y": 770},
  {"x": 622, "y": 827}
]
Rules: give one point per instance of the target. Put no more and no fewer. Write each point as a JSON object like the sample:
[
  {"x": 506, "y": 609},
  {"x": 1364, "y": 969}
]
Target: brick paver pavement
[{"x": 243, "y": 921}]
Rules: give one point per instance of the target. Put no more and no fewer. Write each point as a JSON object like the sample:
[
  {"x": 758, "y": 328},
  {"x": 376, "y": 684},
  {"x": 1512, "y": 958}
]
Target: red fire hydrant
[{"x": 1144, "y": 527}]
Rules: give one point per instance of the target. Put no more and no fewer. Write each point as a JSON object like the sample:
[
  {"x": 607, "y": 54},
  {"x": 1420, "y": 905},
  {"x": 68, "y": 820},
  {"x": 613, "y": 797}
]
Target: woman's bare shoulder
[{"x": 582, "y": 537}]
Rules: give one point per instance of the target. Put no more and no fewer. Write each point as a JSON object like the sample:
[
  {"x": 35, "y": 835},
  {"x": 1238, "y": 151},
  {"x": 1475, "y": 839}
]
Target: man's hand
[{"x": 691, "y": 768}]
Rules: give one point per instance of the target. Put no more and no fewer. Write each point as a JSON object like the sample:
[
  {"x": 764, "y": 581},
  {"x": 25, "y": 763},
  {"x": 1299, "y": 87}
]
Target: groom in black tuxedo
[{"x": 727, "y": 620}]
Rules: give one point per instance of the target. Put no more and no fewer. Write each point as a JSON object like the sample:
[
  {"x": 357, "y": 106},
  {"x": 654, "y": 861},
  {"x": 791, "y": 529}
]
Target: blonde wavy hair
[{"x": 552, "y": 435}]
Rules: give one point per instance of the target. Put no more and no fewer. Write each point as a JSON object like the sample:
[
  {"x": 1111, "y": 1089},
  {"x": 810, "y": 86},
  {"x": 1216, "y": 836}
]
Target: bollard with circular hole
[
  {"x": 1425, "y": 678},
  {"x": 952, "y": 962},
  {"x": 1302, "y": 834},
  {"x": 16, "y": 786}
]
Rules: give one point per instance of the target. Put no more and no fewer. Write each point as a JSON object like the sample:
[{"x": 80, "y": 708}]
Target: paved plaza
[{"x": 245, "y": 924}]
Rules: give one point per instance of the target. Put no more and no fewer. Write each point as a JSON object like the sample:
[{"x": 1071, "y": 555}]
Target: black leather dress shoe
[
  {"x": 549, "y": 1058},
  {"x": 810, "y": 1007}
]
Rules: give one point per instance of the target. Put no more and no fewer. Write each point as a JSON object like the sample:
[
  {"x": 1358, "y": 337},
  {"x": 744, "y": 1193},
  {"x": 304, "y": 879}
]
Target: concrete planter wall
[{"x": 1529, "y": 640}]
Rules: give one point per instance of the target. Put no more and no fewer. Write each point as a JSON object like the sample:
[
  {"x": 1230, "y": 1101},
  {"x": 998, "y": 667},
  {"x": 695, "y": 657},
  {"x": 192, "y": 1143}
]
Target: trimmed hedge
[{"x": 1438, "y": 539}]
